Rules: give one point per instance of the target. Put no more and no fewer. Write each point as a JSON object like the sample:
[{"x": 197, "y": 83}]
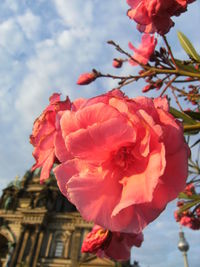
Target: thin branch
[
  {"x": 168, "y": 84},
  {"x": 169, "y": 51},
  {"x": 176, "y": 99}
]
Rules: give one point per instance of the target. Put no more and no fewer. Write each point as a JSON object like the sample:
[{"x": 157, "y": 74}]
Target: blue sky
[{"x": 44, "y": 46}]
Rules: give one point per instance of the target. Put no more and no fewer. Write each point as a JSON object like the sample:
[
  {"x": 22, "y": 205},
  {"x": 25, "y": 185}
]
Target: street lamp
[{"x": 183, "y": 246}]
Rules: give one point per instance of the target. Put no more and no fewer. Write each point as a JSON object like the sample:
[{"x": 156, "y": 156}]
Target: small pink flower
[
  {"x": 155, "y": 15},
  {"x": 86, "y": 78},
  {"x": 97, "y": 239},
  {"x": 188, "y": 218},
  {"x": 186, "y": 221},
  {"x": 129, "y": 159},
  {"x": 198, "y": 212},
  {"x": 144, "y": 51},
  {"x": 45, "y": 135},
  {"x": 177, "y": 216},
  {"x": 189, "y": 189},
  {"x": 180, "y": 204},
  {"x": 113, "y": 245}
]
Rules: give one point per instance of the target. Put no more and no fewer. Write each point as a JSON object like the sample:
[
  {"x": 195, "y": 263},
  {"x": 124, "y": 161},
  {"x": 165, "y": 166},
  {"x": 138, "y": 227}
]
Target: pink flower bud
[
  {"x": 180, "y": 204},
  {"x": 86, "y": 78},
  {"x": 117, "y": 63},
  {"x": 147, "y": 88}
]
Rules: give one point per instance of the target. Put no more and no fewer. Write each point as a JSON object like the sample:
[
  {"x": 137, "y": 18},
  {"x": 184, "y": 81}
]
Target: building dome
[{"x": 40, "y": 227}]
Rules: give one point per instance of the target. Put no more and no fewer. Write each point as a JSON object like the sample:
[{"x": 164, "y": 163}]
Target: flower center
[{"x": 123, "y": 158}]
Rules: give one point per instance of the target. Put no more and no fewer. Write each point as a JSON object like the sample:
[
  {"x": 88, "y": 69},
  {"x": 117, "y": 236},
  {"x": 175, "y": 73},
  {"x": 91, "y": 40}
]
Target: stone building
[{"x": 39, "y": 227}]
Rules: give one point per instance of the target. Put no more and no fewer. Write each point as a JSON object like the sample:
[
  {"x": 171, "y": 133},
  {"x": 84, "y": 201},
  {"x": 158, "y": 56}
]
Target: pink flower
[
  {"x": 144, "y": 51},
  {"x": 189, "y": 189},
  {"x": 190, "y": 221},
  {"x": 129, "y": 159},
  {"x": 86, "y": 78},
  {"x": 110, "y": 244},
  {"x": 45, "y": 135},
  {"x": 97, "y": 239},
  {"x": 155, "y": 15}
]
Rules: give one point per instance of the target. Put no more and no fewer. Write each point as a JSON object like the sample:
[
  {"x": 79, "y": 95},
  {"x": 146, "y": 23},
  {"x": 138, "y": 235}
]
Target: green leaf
[
  {"x": 182, "y": 115},
  {"x": 186, "y": 67},
  {"x": 189, "y": 205},
  {"x": 188, "y": 47},
  {"x": 193, "y": 114},
  {"x": 183, "y": 195}
]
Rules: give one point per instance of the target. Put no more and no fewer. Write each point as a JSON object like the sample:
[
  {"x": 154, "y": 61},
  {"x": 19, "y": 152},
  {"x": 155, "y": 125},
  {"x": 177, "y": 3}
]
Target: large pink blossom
[
  {"x": 129, "y": 159},
  {"x": 113, "y": 245},
  {"x": 144, "y": 51},
  {"x": 155, "y": 15},
  {"x": 46, "y": 133}
]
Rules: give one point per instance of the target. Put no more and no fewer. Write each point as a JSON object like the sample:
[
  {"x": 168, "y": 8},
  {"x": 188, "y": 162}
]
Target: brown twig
[
  {"x": 170, "y": 51},
  {"x": 176, "y": 99},
  {"x": 168, "y": 84}
]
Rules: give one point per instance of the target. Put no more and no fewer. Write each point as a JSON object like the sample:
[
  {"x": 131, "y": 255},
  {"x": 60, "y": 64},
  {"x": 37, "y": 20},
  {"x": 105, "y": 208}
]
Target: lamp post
[{"x": 183, "y": 246}]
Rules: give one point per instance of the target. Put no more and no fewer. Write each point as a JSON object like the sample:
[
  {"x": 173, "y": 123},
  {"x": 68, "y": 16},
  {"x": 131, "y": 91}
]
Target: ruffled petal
[
  {"x": 96, "y": 142},
  {"x": 139, "y": 187},
  {"x": 120, "y": 245},
  {"x": 61, "y": 151}
]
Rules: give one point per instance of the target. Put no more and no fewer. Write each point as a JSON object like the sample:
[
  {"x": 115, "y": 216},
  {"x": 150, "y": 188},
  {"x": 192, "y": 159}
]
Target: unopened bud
[
  {"x": 148, "y": 88},
  {"x": 141, "y": 72},
  {"x": 86, "y": 78},
  {"x": 180, "y": 204},
  {"x": 117, "y": 63},
  {"x": 158, "y": 84}
]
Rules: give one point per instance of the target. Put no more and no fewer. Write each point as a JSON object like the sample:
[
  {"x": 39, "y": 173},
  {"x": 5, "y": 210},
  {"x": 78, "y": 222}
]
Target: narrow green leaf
[
  {"x": 181, "y": 115},
  {"x": 183, "y": 195},
  {"x": 189, "y": 205},
  {"x": 188, "y": 47},
  {"x": 193, "y": 114},
  {"x": 186, "y": 67}
]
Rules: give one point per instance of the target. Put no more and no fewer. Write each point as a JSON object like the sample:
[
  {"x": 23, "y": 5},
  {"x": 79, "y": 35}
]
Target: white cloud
[
  {"x": 56, "y": 64},
  {"x": 11, "y": 39},
  {"x": 30, "y": 24},
  {"x": 75, "y": 13},
  {"x": 12, "y": 5}
]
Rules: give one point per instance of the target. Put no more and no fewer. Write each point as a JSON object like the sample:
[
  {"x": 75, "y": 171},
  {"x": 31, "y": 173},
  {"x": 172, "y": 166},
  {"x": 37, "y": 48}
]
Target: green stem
[
  {"x": 176, "y": 72},
  {"x": 190, "y": 128}
]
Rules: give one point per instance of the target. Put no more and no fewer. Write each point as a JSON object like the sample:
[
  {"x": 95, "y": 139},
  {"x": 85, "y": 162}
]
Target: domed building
[{"x": 39, "y": 227}]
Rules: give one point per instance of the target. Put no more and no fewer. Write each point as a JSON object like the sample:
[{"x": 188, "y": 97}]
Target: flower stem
[{"x": 190, "y": 128}]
